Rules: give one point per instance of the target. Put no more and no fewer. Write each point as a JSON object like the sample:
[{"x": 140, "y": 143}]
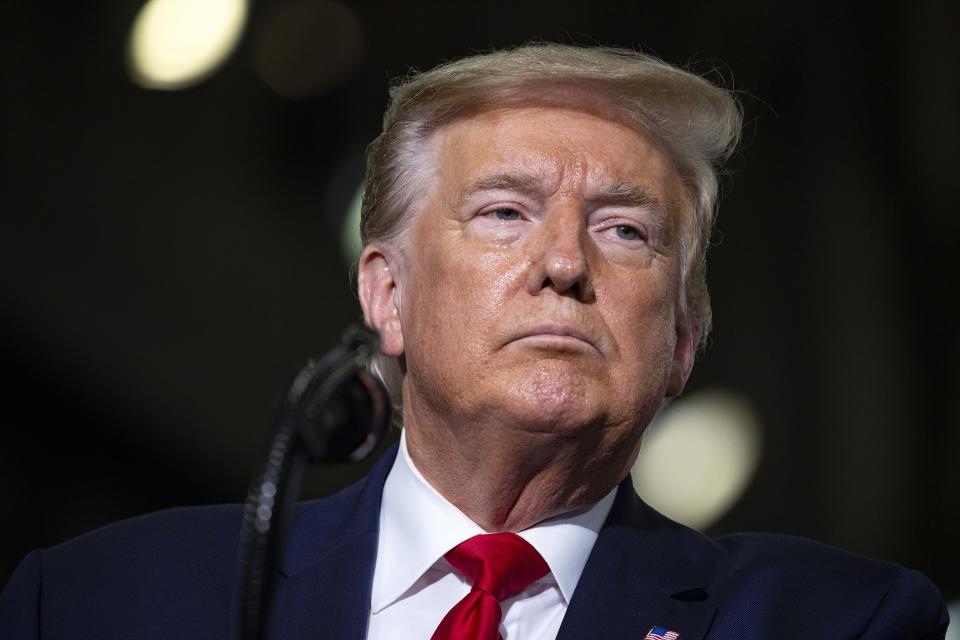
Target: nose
[{"x": 559, "y": 258}]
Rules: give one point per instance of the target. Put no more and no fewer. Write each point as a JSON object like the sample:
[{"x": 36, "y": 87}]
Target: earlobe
[
  {"x": 684, "y": 352},
  {"x": 377, "y": 287}
]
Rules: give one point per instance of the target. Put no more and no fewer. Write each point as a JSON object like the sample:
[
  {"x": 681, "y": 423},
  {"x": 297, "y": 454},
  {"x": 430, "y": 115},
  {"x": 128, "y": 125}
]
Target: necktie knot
[{"x": 499, "y": 565}]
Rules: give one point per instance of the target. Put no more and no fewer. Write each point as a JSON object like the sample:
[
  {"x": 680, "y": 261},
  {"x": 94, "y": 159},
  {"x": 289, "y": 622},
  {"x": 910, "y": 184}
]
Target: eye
[
  {"x": 622, "y": 233},
  {"x": 506, "y": 214}
]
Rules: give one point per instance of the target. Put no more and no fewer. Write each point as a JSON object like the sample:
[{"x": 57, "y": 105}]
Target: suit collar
[
  {"x": 321, "y": 587},
  {"x": 640, "y": 574},
  {"x": 320, "y": 528}
]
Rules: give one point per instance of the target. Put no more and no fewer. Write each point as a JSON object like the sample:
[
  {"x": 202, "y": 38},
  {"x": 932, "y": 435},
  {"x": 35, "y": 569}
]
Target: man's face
[{"x": 540, "y": 278}]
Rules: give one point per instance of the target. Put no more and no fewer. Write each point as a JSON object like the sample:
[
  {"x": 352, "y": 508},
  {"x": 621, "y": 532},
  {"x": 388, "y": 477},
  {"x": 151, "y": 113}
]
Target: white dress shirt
[{"x": 414, "y": 586}]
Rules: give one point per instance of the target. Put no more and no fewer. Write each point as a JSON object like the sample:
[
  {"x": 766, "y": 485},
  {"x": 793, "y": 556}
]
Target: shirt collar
[
  {"x": 418, "y": 526},
  {"x": 565, "y": 541}
]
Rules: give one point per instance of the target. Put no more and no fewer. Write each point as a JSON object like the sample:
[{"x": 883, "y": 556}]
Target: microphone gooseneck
[{"x": 334, "y": 410}]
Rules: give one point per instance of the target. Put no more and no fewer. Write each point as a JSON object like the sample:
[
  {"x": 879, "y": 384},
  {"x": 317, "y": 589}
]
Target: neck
[{"x": 506, "y": 478}]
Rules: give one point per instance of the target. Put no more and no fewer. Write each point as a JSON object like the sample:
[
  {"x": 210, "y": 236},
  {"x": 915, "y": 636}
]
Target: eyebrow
[
  {"x": 625, "y": 194},
  {"x": 519, "y": 181}
]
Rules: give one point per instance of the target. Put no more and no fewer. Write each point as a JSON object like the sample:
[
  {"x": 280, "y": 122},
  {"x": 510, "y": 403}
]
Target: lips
[{"x": 558, "y": 331}]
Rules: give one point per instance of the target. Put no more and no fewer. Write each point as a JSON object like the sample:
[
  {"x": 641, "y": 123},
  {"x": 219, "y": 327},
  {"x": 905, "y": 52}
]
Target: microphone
[
  {"x": 342, "y": 410},
  {"x": 334, "y": 410}
]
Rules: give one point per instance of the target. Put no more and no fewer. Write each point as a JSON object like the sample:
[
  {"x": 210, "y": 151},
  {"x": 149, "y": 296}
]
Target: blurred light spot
[
  {"x": 350, "y": 243},
  {"x": 953, "y": 629},
  {"x": 308, "y": 48},
  {"x": 698, "y": 457},
  {"x": 177, "y": 43}
]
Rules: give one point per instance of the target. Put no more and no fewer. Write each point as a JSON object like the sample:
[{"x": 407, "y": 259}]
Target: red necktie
[{"x": 500, "y": 565}]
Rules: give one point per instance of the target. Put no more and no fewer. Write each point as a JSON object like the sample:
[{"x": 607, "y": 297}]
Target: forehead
[{"x": 565, "y": 148}]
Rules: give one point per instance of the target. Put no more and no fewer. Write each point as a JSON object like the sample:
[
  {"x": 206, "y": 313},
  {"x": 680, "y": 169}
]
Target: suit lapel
[
  {"x": 323, "y": 584},
  {"x": 638, "y": 576},
  {"x": 330, "y": 599}
]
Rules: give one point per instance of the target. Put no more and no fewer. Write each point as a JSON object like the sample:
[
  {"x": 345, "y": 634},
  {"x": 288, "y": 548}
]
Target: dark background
[{"x": 169, "y": 259}]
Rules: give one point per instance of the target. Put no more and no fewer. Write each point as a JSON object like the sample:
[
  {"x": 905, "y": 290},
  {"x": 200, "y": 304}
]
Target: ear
[
  {"x": 379, "y": 296},
  {"x": 684, "y": 352}
]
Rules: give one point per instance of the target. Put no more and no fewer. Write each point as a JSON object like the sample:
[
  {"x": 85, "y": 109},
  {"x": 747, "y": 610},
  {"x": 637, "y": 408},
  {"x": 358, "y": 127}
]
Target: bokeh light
[
  {"x": 350, "y": 242},
  {"x": 177, "y": 43},
  {"x": 307, "y": 48},
  {"x": 698, "y": 457},
  {"x": 953, "y": 630}
]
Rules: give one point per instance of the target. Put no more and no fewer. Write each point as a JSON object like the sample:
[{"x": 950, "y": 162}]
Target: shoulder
[
  {"x": 773, "y": 586},
  {"x": 186, "y": 543},
  {"x": 137, "y": 577},
  {"x": 747, "y": 553},
  {"x": 126, "y": 578},
  {"x": 181, "y": 539},
  {"x": 796, "y": 581}
]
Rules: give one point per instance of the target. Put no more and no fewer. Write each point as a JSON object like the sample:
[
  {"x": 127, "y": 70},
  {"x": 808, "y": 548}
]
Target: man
[{"x": 535, "y": 228}]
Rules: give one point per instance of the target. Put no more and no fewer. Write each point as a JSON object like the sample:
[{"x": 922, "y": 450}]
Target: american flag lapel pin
[{"x": 660, "y": 633}]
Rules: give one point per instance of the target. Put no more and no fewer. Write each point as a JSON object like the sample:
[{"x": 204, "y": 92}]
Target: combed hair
[{"x": 696, "y": 122}]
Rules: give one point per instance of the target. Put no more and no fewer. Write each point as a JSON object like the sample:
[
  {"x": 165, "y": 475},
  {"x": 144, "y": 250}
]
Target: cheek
[
  {"x": 457, "y": 297},
  {"x": 644, "y": 326},
  {"x": 478, "y": 279}
]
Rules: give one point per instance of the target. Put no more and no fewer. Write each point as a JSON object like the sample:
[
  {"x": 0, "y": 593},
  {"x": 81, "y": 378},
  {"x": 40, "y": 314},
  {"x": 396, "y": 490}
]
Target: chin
[{"x": 556, "y": 401}]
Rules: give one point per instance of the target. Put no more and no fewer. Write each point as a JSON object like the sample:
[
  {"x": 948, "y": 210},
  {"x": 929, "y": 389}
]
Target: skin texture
[{"x": 535, "y": 302}]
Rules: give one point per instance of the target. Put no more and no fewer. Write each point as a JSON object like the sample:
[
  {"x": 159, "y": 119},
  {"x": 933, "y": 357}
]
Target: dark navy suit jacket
[{"x": 170, "y": 575}]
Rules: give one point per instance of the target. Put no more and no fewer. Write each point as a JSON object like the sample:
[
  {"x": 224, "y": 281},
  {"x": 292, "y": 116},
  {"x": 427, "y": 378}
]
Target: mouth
[{"x": 557, "y": 335}]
